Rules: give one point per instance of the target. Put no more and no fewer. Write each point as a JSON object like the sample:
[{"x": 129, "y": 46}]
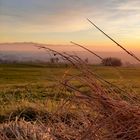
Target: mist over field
[{"x": 24, "y": 52}]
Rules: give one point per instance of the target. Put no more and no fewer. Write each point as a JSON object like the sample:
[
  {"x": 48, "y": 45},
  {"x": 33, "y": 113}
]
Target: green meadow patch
[{"x": 36, "y": 84}]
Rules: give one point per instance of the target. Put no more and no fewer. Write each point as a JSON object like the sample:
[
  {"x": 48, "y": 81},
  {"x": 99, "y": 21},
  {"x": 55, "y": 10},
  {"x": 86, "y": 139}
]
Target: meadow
[{"x": 33, "y": 91}]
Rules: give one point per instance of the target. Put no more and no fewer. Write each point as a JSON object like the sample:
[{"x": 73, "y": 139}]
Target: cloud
[
  {"x": 129, "y": 5},
  {"x": 63, "y": 16},
  {"x": 56, "y": 15}
]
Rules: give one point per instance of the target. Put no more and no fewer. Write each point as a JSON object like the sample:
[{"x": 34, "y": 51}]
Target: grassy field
[
  {"x": 22, "y": 74},
  {"x": 36, "y": 83},
  {"x": 33, "y": 91}
]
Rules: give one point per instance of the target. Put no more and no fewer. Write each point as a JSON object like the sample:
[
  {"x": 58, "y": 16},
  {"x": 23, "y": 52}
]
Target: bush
[{"x": 110, "y": 61}]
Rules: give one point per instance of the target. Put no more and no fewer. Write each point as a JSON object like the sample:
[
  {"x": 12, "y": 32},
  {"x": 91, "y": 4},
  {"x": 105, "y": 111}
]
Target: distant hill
[{"x": 23, "y": 52}]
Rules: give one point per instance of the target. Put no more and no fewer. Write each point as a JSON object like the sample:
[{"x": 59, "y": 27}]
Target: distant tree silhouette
[
  {"x": 111, "y": 61},
  {"x": 54, "y": 60},
  {"x": 86, "y": 60}
]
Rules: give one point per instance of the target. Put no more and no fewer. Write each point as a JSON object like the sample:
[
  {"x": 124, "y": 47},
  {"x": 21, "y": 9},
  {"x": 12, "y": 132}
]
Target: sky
[{"x": 62, "y": 21}]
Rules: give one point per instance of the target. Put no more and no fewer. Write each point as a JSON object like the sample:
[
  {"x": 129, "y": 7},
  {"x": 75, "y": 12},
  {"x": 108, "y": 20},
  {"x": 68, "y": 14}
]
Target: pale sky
[{"x": 62, "y": 21}]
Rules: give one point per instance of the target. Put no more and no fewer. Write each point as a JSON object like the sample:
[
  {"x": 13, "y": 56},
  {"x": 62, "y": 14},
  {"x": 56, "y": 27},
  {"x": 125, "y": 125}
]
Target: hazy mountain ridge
[{"x": 23, "y": 52}]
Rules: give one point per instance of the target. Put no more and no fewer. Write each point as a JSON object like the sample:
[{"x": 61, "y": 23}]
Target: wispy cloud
[
  {"x": 51, "y": 14},
  {"x": 67, "y": 18}
]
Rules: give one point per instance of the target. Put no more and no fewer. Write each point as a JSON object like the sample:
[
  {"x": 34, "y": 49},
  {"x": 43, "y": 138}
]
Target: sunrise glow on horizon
[{"x": 62, "y": 21}]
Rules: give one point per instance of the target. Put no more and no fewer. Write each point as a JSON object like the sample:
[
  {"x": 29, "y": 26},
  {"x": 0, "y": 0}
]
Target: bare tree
[{"x": 111, "y": 61}]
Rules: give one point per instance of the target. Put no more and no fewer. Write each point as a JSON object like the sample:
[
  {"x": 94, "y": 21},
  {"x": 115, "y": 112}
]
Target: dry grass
[{"x": 102, "y": 114}]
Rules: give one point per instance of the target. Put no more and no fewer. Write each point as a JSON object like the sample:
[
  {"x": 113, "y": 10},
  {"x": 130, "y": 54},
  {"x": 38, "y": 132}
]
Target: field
[
  {"x": 36, "y": 82},
  {"x": 32, "y": 91}
]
